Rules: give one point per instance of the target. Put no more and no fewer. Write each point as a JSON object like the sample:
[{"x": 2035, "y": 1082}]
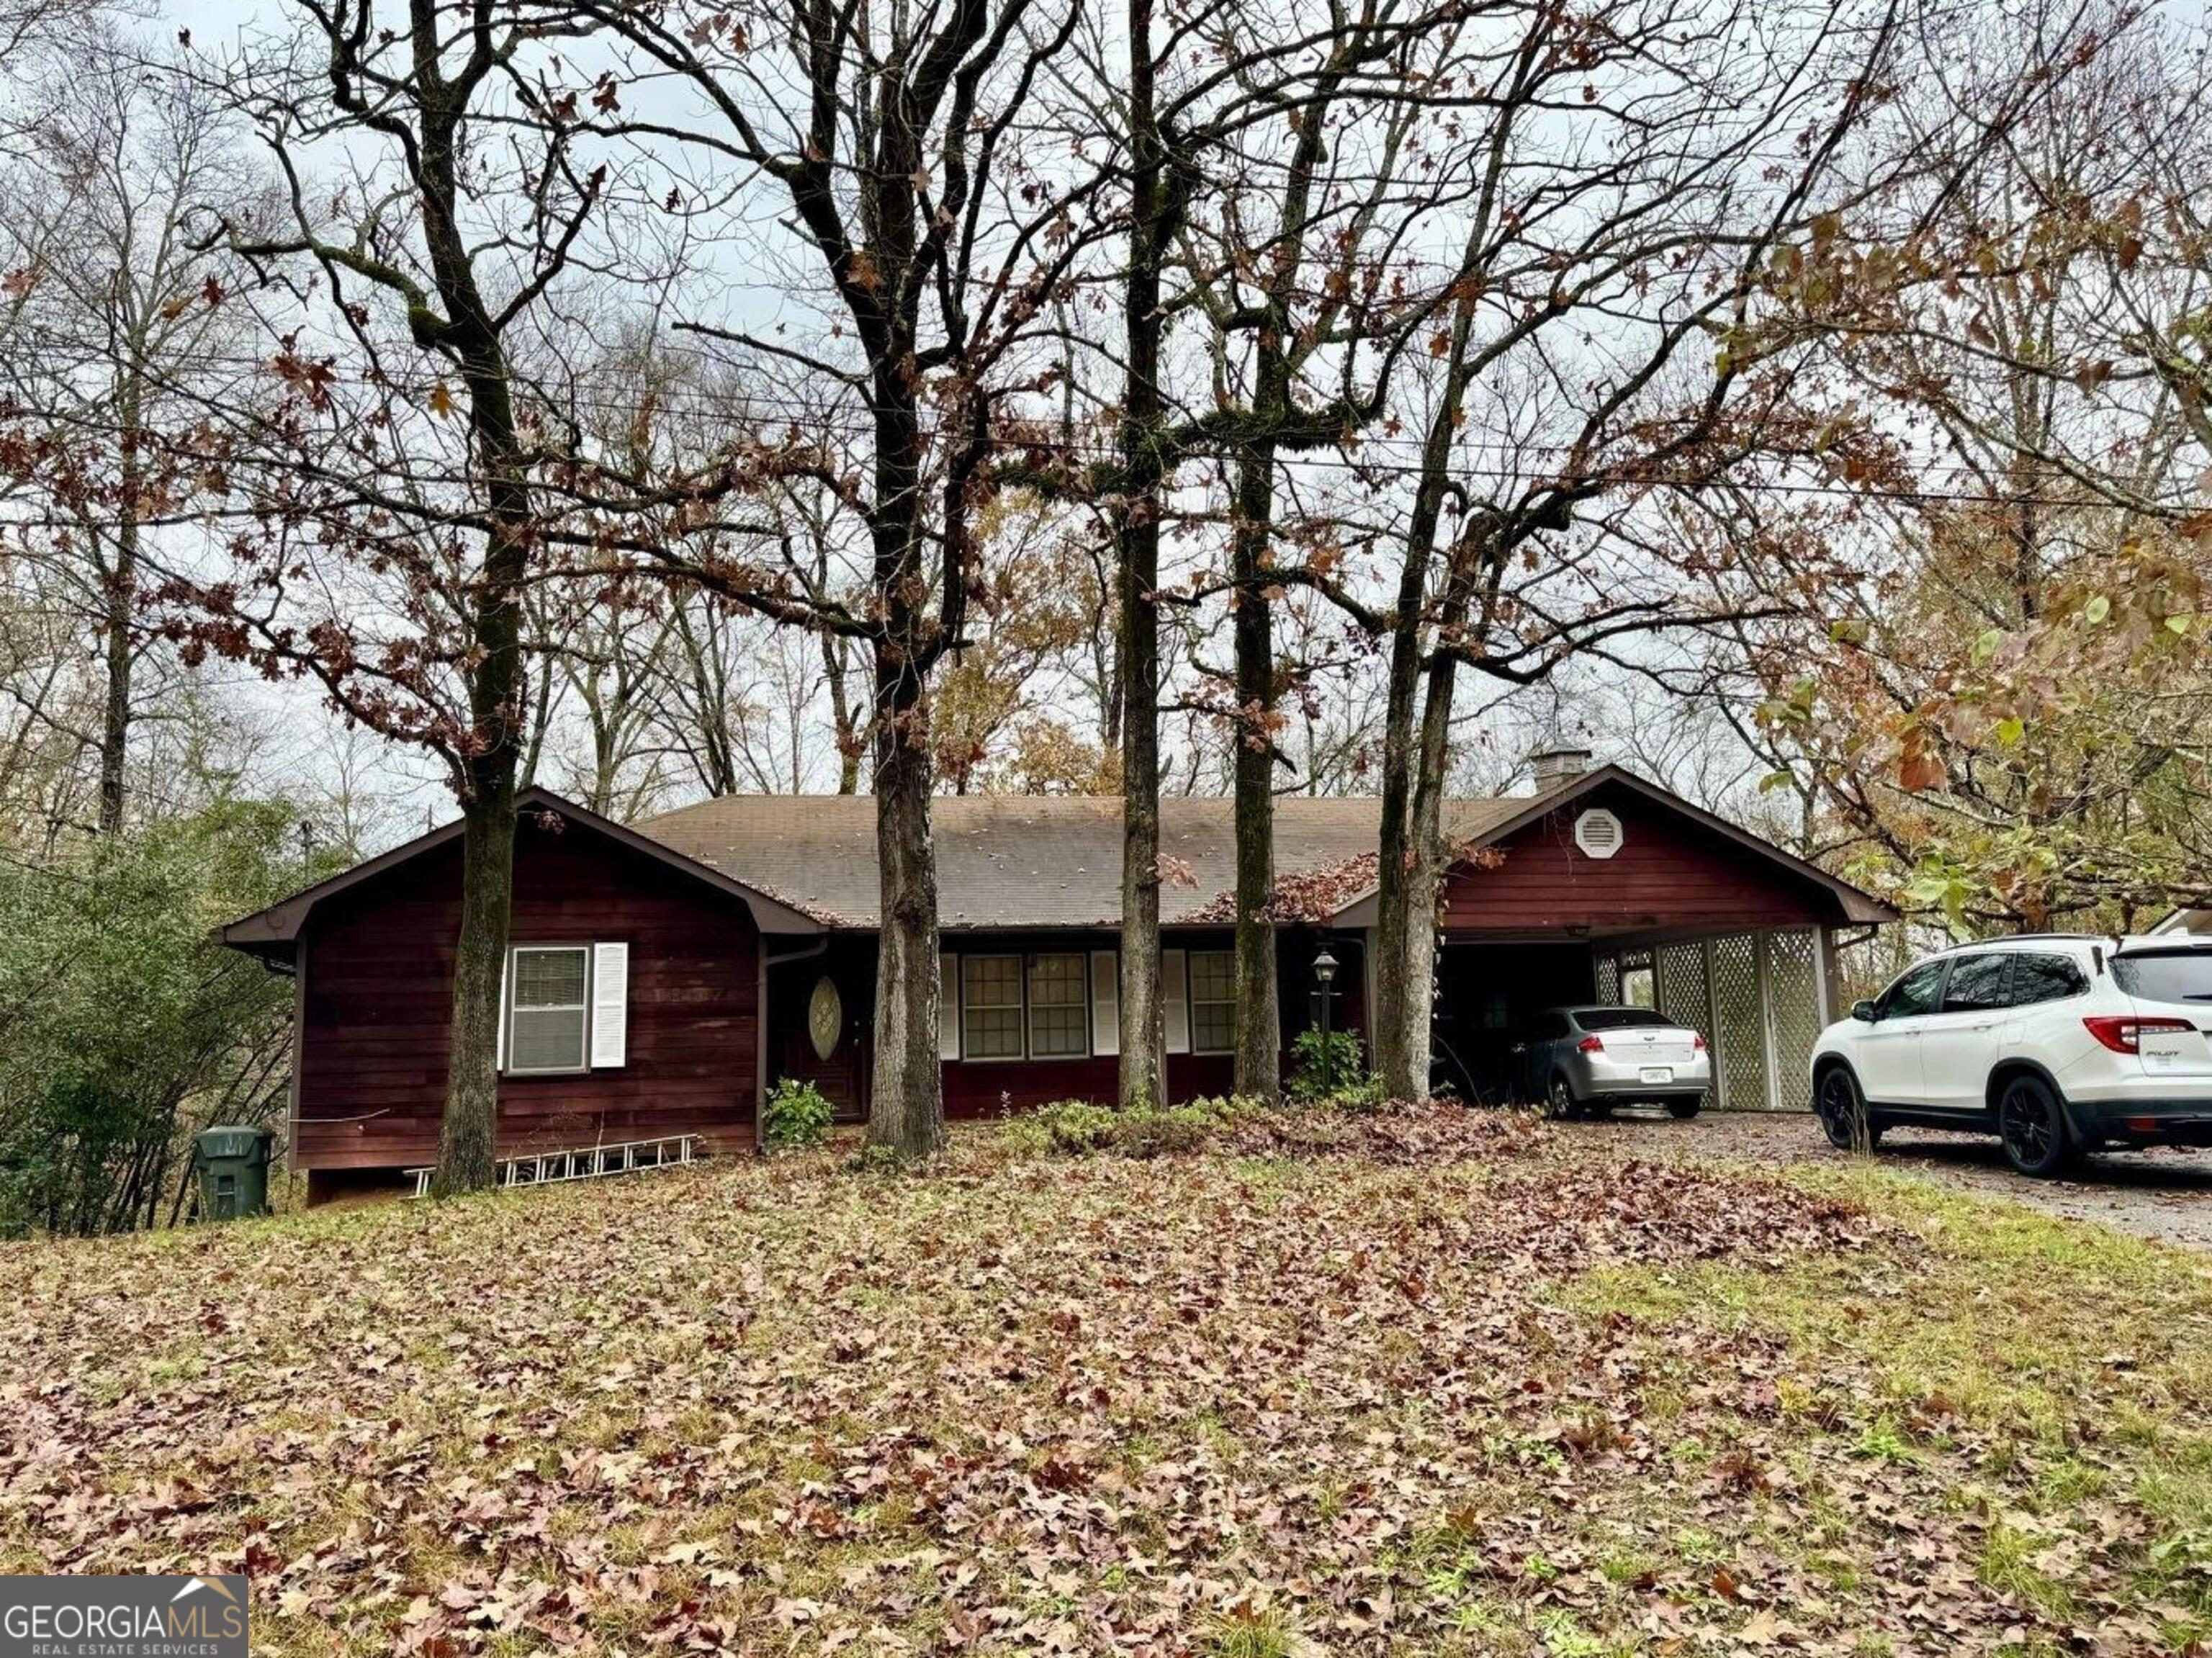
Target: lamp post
[{"x": 1324, "y": 973}]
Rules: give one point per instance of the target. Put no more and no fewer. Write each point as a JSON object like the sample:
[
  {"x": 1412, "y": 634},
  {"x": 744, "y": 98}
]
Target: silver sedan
[{"x": 1592, "y": 1058}]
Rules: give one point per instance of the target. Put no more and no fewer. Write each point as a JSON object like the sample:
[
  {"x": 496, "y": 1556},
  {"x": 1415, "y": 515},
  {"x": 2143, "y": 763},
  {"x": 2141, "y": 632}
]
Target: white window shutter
[
  {"x": 948, "y": 1005},
  {"x": 499, "y": 1042},
  {"x": 1175, "y": 1001},
  {"x": 610, "y": 1005},
  {"x": 1105, "y": 1003}
]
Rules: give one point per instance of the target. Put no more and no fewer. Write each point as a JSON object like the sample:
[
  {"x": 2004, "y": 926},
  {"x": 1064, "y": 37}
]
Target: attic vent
[{"x": 1597, "y": 831}]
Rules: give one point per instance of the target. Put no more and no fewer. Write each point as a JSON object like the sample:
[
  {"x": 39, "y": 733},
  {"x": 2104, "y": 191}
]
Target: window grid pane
[
  {"x": 547, "y": 1040},
  {"x": 1212, "y": 1000},
  {"x": 1212, "y": 975},
  {"x": 550, "y": 978},
  {"x": 1212, "y": 1026},
  {"x": 1058, "y": 1033}
]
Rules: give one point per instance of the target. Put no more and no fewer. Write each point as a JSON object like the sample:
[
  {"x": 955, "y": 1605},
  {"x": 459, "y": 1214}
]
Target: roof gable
[
  {"x": 1853, "y": 905},
  {"x": 276, "y": 929}
]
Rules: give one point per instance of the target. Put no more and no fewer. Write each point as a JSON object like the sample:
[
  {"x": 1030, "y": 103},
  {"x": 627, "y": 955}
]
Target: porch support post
[
  {"x": 1762, "y": 951},
  {"x": 1721, "y": 1099},
  {"x": 1831, "y": 1010}
]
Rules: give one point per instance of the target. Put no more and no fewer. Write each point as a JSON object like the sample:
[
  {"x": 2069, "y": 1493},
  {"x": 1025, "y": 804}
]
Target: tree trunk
[
  {"x": 1401, "y": 995},
  {"x": 468, "y": 1135},
  {"x": 1407, "y": 868},
  {"x": 120, "y": 604},
  {"x": 1258, "y": 1039},
  {"x": 115, "y": 715},
  {"x": 1137, "y": 535},
  {"x": 906, "y": 1108},
  {"x": 489, "y": 758}
]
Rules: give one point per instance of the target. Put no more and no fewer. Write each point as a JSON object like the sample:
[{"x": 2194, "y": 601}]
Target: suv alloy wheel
[
  {"x": 1842, "y": 1111},
  {"x": 2032, "y": 1124}
]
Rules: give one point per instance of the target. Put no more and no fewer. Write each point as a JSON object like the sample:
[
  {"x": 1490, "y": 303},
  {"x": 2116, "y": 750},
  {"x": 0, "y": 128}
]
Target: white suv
[{"x": 2057, "y": 1045}]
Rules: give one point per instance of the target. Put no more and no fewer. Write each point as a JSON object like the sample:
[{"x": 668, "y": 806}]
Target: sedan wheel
[
  {"x": 2033, "y": 1126},
  {"x": 1844, "y": 1114},
  {"x": 1560, "y": 1103}
]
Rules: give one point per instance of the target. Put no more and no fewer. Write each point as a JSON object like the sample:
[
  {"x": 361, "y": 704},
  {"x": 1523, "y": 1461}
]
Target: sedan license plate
[{"x": 1657, "y": 1074}]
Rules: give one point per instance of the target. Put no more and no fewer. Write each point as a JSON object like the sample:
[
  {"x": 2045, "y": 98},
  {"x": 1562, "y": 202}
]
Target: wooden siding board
[{"x": 374, "y": 1033}]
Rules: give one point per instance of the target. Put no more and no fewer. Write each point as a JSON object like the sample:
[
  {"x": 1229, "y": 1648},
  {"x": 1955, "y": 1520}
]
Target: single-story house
[{"x": 663, "y": 975}]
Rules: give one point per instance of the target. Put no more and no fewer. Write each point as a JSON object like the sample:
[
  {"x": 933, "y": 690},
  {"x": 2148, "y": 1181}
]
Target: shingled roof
[{"x": 1029, "y": 861}]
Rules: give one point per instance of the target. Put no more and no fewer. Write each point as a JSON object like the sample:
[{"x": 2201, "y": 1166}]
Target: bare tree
[
  {"x": 397, "y": 496},
  {"x": 114, "y": 330},
  {"x": 1603, "y": 251},
  {"x": 889, "y": 141}
]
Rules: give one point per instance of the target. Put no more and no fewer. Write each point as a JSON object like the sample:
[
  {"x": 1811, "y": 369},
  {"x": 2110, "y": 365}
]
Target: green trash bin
[{"x": 233, "y": 1165}]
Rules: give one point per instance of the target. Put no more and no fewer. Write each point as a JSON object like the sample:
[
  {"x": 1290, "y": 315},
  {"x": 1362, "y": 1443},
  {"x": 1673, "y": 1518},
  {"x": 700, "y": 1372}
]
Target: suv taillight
[
  {"x": 1697, "y": 1041},
  {"x": 1590, "y": 1044},
  {"x": 2123, "y": 1033}
]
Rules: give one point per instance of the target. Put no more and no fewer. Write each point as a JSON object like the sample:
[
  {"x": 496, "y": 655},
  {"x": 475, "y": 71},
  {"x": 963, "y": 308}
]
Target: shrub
[
  {"x": 1075, "y": 1128},
  {"x": 797, "y": 1114},
  {"x": 1071, "y": 1128},
  {"x": 1332, "y": 1070}
]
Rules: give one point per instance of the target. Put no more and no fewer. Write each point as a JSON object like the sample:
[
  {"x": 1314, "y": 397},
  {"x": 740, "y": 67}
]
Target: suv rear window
[
  {"x": 1617, "y": 1019},
  {"x": 2166, "y": 975}
]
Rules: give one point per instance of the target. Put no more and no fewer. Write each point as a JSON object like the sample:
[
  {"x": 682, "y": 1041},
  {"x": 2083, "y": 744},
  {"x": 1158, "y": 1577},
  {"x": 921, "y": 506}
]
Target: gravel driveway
[{"x": 2162, "y": 1194}]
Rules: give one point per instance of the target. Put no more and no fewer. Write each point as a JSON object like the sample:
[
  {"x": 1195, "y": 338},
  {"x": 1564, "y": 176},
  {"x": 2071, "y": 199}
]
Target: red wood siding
[
  {"x": 1669, "y": 872},
  {"x": 379, "y": 973}
]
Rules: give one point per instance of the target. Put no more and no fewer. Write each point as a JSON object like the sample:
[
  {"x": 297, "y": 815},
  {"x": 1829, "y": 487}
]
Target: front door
[
  {"x": 1888, "y": 1054},
  {"x": 827, "y": 1043}
]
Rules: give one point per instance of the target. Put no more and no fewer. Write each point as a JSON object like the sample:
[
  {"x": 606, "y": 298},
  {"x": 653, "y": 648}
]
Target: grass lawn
[{"x": 1435, "y": 1385}]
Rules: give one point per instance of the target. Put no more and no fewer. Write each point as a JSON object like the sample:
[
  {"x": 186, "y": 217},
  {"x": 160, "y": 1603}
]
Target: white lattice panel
[
  {"x": 1608, "y": 978},
  {"x": 1683, "y": 995},
  {"x": 1739, "y": 1023},
  {"x": 1793, "y": 1013}
]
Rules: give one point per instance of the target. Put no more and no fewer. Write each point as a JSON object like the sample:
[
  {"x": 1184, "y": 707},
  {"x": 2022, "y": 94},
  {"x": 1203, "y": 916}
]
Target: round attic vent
[{"x": 1597, "y": 831}]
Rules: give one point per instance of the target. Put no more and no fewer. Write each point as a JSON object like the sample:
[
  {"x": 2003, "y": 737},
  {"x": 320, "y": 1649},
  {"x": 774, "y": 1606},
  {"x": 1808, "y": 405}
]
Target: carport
[{"x": 1615, "y": 890}]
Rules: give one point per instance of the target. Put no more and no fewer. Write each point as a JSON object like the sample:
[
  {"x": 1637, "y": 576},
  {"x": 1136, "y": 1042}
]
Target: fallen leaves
[{"x": 1318, "y": 1388}]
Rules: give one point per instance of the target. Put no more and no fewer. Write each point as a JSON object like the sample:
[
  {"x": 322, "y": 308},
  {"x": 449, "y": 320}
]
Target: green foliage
[
  {"x": 1071, "y": 1128},
  {"x": 1332, "y": 1070},
  {"x": 128, "y": 1028},
  {"x": 797, "y": 1113},
  {"x": 1076, "y": 1128}
]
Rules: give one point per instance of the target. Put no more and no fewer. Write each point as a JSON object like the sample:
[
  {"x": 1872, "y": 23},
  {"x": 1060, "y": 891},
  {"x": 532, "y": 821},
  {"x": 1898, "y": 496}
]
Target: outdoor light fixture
[{"x": 1324, "y": 971}]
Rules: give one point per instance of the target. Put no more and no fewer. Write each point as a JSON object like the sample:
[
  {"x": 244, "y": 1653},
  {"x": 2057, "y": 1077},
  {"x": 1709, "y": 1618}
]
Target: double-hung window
[
  {"x": 1060, "y": 1025},
  {"x": 991, "y": 1006},
  {"x": 1024, "y": 1007},
  {"x": 1212, "y": 1000},
  {"x": 549, "y": 1009}
]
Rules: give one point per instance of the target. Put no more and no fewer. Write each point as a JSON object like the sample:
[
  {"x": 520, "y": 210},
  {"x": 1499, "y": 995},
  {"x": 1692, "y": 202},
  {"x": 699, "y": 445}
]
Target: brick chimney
[{"x": 1556, "y": 762}]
